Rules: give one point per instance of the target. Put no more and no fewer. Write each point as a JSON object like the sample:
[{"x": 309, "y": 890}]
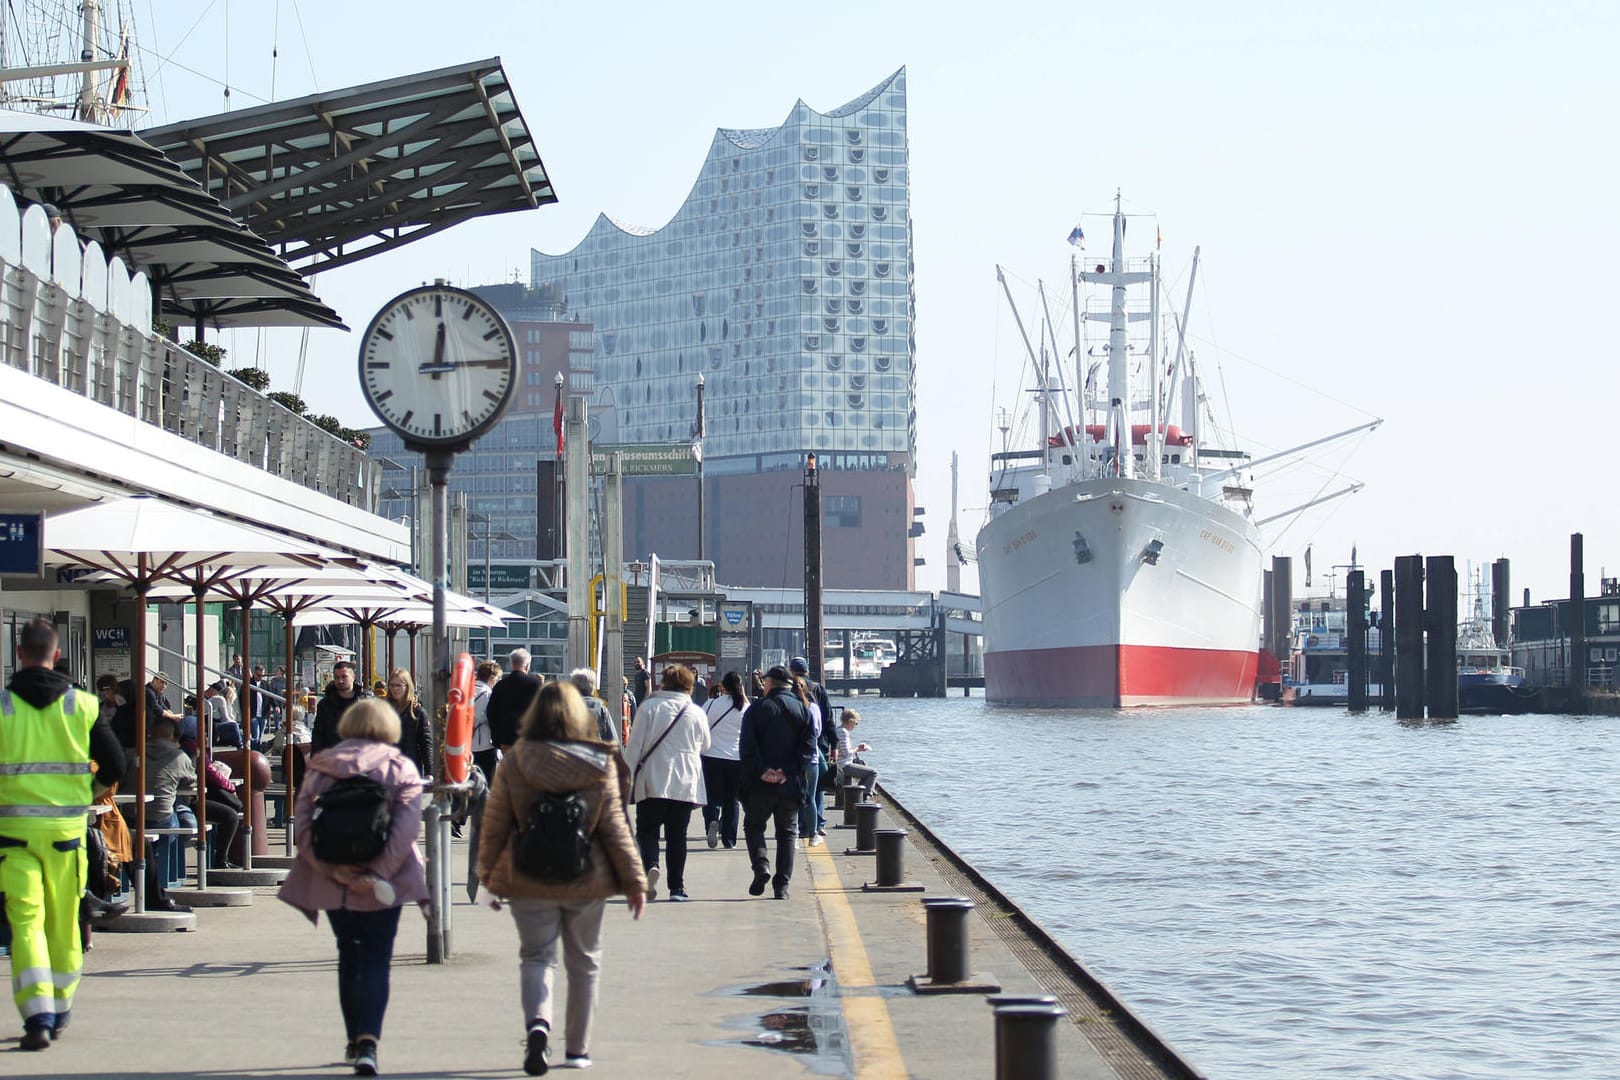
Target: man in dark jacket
[
  {"x": 333, "y": 704},
  {"x": 511, "y": 699},
  {"x": 776, "y": 742}
]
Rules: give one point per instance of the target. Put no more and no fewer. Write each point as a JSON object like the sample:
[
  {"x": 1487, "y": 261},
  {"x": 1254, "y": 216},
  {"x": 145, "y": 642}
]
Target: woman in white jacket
[{"x": 666, "y": 769}]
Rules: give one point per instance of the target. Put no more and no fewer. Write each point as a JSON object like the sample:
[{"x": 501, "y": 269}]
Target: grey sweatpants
[{"x": 540, "y": 925}]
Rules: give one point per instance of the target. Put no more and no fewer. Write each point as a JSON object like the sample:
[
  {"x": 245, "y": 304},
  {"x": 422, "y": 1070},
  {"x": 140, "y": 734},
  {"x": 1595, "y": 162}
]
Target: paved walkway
[{"x": 726, "y": 985}]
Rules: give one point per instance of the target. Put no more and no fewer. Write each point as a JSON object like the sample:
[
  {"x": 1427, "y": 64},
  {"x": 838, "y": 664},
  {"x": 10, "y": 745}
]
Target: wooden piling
[
  {"x": 1409, "y": 637},
  {"x": 1355, "y": 625},
  {"x": 1440, "y": 610}
]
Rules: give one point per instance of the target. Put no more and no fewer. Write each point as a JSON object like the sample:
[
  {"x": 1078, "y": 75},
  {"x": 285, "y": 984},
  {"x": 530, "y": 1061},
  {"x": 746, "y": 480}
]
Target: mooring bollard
[
  {"x": 996, "y": 1001},
  {"x": 891, "y": 857},
  {"x": 948, "y": 941},
  {"x": 852, "y": 799},
  {"x": 928, "y": 903},
  {"x": 866, "y": 815},
  {"x": 1026, "y": 1041}
]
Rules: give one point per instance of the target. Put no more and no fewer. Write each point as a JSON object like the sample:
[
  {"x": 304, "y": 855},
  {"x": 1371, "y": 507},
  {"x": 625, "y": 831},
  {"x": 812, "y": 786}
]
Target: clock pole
[{"x": 438, "y": 470}]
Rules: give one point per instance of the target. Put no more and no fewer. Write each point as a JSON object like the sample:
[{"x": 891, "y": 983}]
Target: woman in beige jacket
[{"x": 558, "y": 752}]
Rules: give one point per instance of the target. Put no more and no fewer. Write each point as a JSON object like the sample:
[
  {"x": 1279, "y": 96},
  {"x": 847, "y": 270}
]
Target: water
[{"x": 1299, "y": 892}]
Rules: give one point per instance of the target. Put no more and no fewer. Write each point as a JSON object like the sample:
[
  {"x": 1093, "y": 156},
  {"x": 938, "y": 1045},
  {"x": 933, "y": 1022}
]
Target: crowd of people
[{"x": 572, "y": 802}]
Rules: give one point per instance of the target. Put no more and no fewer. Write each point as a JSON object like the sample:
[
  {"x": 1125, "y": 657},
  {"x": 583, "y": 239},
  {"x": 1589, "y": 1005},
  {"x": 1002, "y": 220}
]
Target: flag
[
  {"x": 1158, "y": 241},
  {"x": 120, "y": 92},
  {"x": 1307, "y": 566},
  {"x": 1078, "y": 238},
  {"x": 557, "y": 423}
]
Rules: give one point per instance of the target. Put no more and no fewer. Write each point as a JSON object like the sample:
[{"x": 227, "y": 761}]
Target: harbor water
[{"x": 1301, "y": 892}]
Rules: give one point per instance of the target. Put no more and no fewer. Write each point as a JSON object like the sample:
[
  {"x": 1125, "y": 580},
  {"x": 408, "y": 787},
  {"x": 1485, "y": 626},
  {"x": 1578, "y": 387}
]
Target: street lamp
[
  {"x": 697, "y": 445},
  {"x": 489, "y": 535}
]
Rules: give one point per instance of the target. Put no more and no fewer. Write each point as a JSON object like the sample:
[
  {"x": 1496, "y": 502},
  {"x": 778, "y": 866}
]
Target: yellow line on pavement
[{"x": 871, "y": 1032}]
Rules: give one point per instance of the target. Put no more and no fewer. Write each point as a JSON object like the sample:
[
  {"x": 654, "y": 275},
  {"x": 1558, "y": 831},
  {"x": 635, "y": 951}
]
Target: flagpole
[
  {"x": 557, "y": 531},
  {"x": 697, "y": 443}
]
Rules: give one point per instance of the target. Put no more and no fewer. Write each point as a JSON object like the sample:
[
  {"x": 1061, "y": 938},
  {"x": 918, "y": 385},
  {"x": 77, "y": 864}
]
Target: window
[{"x": 841, "y": 511}]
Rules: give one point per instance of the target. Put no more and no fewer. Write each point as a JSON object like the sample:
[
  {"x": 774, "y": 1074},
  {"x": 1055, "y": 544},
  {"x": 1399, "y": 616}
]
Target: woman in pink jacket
[{"x": 362, "y": 901}]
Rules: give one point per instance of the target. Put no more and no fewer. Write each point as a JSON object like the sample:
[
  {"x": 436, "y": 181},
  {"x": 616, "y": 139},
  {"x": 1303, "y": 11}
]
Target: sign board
[
  {"x": 733, "y": 625},
  {"x": 646, "y": 459},
  {"x": 503, "y": 577},
  {"x": 22, "y": 545}
]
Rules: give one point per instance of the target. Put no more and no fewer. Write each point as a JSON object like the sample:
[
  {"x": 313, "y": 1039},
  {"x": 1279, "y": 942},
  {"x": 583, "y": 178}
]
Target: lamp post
[{"x": 697, "y": 446}]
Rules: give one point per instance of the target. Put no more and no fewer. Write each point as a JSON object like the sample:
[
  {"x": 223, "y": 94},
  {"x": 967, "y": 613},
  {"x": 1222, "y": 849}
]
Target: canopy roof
[
  {"x": 118, "y": 191},
  {"x": 337, "y": 177}
]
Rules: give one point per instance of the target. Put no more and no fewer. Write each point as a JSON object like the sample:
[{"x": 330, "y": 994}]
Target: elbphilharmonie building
[{"x": 785, "y": 281}]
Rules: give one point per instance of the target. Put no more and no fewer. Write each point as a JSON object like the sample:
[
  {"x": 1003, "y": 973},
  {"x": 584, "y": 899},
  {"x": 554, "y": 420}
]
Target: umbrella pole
[
  {"x": 411, "y": 634},
  {"x": 389, "y": 631},
  {"x": 138, "y": 875},
  {"x": 247, "y": 735},
  {"x": 287, "y": 727},
  {"x": 205, "y": 735}
]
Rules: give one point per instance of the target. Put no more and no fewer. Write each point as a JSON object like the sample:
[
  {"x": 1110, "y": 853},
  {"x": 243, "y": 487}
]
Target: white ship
[{"x": 1121, "y": 565}]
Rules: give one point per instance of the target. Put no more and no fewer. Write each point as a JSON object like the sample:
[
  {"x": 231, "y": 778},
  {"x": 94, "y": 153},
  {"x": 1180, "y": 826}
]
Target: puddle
[{"x": 813, "y": 1031}]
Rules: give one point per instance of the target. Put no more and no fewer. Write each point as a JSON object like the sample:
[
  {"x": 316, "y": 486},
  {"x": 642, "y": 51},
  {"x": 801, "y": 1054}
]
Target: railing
[{"x": 74, "y": 318}]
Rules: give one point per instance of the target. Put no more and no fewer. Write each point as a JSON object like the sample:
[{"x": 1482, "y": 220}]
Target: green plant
[
  {"x": 258, "y": 378},
  {"x": 289, "y": 401},
  {"x": 211, "y": 354}
]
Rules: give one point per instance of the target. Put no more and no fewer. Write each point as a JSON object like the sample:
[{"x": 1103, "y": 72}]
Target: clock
[{"x": 438, "y": 366}]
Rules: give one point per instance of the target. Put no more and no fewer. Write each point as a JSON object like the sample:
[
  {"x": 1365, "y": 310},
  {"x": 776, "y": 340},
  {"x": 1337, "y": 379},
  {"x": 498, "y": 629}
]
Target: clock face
[{"x": 438, "y": 366}]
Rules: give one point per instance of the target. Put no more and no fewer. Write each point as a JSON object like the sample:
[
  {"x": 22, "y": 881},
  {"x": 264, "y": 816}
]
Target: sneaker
[
  {"x": 821, "y": 830},
  {"x": 679, "y": 896},
  {"x": 816, "y": 841},
  {"x": 365, "y": 1058},
  {"x": 351, "y": 1051},
  {"x": 36, "y": 1038},
  {"x": 578, "y": 1061},
  {"x": 757, "y": 888},
  {"x": 713, "y": 833},
  {"x": 652, "y": 887},
  {"x": 534, "y": 1056}
]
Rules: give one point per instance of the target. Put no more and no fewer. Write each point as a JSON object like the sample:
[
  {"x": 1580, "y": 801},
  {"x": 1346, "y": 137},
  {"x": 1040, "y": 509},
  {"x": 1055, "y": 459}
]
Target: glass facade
[{"x": 785, "y": 279}]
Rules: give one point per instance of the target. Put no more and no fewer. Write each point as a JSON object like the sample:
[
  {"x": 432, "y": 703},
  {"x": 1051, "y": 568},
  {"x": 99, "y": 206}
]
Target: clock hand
[{"x": 438, "y": 352}]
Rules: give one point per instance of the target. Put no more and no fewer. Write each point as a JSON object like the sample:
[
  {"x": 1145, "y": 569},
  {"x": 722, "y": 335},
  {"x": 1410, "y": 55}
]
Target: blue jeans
[
  {"x": 810, "y": 814},
  {"x": 365, "y": 941}
]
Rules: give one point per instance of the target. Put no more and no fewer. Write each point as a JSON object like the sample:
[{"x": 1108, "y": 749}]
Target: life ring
[{"x": 458, "y": 727}]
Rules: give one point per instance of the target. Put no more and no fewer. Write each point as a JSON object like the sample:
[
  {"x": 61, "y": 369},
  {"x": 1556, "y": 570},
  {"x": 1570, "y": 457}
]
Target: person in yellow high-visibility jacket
[{"x": 48, "y": 737}]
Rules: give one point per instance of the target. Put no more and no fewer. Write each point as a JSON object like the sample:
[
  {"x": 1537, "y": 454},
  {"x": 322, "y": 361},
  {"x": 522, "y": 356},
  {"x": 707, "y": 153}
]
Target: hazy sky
[{"x": 1406, "y": 210}]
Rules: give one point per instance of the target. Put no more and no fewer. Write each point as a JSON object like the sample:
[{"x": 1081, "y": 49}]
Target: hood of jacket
[
  {"x": 39, "y": 686},
  {"x": 352, "y": 757},
  {"x": 557, "y": 765}
]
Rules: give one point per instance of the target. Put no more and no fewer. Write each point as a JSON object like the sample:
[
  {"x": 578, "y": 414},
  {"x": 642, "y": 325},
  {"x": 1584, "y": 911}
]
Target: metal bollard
[
  {"x": 948, "y": 941},
  {"x": 996, "y": 1001},
  {"x": 866, "y": 815},
  {"x": 1026, "y": 1041},
  {"x": 851, "y": 799},
  {"x": 891, "y": 857},
  {"x": 928, "y": 903}
]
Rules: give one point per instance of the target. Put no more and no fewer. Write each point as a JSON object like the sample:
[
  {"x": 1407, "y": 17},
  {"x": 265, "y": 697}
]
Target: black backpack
[
  {"x": 555, "y": 844},
  {"x": 351, "y": 822}
]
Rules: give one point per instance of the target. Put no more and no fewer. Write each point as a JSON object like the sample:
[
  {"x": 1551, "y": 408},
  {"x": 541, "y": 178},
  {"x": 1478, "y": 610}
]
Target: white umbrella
[{"x": 142, "y": 541}]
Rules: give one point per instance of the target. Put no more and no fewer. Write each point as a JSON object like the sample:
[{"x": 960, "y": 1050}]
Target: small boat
[{"x": 1487, "y": 682}]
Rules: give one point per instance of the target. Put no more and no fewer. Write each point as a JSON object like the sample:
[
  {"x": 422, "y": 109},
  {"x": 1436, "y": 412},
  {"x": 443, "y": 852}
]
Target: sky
[{"x": 1405, "y": 210}]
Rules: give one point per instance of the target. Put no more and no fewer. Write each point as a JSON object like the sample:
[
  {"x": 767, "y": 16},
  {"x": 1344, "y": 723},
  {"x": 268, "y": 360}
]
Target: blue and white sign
[{"x": 21, "y": 546}]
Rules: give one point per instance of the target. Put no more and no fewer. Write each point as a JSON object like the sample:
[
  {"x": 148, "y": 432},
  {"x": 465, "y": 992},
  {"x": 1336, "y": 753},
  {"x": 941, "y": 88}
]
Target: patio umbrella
[
  {"x": 285, "y": 591},
  {"x": 142, "y": 541}
]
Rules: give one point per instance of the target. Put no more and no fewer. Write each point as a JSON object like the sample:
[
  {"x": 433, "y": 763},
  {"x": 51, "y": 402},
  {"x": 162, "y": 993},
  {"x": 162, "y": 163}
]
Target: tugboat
[{"x": 1486, "y": 680}]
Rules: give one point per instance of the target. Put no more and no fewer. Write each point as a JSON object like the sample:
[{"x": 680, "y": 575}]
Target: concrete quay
[{"x": 726, "y": 985}]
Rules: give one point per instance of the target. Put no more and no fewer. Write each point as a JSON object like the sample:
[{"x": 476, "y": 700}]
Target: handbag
[{"x": 829, "y": 774}]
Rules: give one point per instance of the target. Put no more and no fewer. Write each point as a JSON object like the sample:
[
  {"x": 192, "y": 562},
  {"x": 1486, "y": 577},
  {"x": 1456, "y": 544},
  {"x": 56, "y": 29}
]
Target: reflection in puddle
[{"x": 814, "y": 1030}]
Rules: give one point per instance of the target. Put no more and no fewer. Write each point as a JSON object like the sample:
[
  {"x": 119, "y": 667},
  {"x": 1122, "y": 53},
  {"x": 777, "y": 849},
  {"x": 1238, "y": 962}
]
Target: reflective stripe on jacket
[{"x": 45, "y": 776}]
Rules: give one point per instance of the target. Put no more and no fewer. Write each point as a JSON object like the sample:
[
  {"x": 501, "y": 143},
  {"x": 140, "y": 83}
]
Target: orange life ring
[{"x": 458, "y": 728}]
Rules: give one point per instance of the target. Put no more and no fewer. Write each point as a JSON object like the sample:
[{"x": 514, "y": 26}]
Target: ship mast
[
  {"x": 953, "y": 541},
  {"x": 1119, "y": 371}
]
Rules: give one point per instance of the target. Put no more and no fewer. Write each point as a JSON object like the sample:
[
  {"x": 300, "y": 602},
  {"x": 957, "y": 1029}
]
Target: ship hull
[{"x": 1080, "y": 610}]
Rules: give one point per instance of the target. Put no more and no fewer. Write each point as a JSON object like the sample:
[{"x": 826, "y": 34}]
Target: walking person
[
  {"x": 342, "y": 693},
  {"x": 722, "y": 767},
  {"x": 666, "y": 774},
  {"x": 49, "y": 735},
  {"x": 362, "y": 900},
  {"x": 510, "y": 699},
  {"x": 415, "y": 732},
  {"x": 558, "y": 754},
  {"x": 584, "y": 680},
  {"x": 776, "y": 740},
  {"x": 810, "y": 824},
  {"x": 814, "y": 695}
]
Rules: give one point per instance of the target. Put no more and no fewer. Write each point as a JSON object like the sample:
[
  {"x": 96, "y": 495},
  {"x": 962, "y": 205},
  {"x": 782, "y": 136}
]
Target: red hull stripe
[{"x": 1105, "y": 676}]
